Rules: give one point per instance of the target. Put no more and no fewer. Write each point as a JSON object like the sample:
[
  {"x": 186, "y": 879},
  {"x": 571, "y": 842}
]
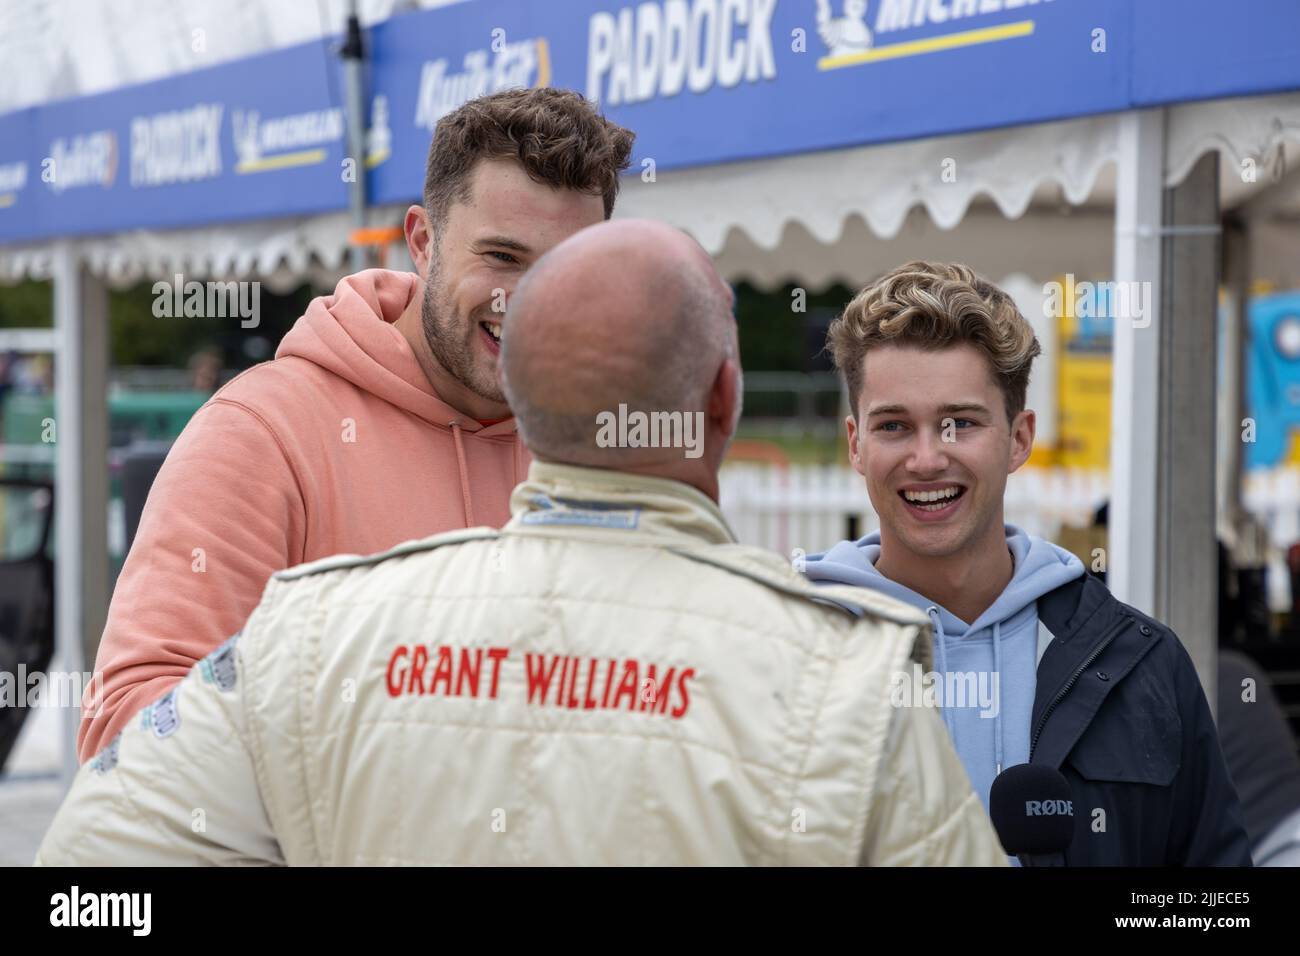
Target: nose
[{"x": 929, "y": 455}]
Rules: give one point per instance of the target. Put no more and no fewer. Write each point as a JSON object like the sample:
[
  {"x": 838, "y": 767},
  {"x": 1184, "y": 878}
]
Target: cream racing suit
[{"x": 610, "y": 679}]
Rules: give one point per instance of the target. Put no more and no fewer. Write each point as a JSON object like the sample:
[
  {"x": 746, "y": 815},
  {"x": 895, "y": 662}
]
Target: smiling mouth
[
  {"x": 493, "y": 329},
  {"x": 933, "y": 501}
]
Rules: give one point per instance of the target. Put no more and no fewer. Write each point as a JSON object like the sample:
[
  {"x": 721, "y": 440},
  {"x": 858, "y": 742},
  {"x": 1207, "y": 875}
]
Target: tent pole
[
  {"x": 1163, "y": 554},
  {"x": 1232, "y": 386},
  {"x": 1139, "y": 187},
  {"x": 1187, "y": 562},
  {"x": 81, "y": 475},
  {"x": 352, "y": 53}
]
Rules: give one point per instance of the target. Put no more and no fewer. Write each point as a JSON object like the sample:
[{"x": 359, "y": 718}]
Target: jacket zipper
[{"x": 1042, "y": 721}]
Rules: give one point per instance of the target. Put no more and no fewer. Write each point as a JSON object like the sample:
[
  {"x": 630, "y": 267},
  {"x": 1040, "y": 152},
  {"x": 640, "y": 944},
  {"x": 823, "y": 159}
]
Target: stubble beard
[{"x": 453, "y": 345}]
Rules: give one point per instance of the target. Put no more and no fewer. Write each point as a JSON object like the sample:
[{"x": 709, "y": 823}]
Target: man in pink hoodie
[{"x": 380, "y": 419}]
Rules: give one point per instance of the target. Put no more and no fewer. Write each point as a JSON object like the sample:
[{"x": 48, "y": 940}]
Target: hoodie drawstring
[
  {"x": 933, "y": 612},
  {"x": 997, "y": 676},
  {"x": 464, "y": 475},
  {"x": 942, "y": 652}
]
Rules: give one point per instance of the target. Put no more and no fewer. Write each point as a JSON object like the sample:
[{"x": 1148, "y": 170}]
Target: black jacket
[{"x": 1120, "y": 712}]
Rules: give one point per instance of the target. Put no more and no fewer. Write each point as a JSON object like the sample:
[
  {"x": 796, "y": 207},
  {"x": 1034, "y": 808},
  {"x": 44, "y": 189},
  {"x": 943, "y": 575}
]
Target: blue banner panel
[
  {"x": 709, "y": 81},
  {"x": 1208, "y": 49},
  {"x": 699, "y": 81},
  {"x": 256, "y": 138}
]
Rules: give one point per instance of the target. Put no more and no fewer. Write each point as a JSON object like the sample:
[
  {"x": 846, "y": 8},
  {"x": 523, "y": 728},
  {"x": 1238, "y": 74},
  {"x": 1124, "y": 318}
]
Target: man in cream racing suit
[{"x": 609, "y": 679}]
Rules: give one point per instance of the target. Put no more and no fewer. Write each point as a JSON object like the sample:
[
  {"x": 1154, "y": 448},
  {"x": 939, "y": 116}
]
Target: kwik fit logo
[{"x": 506, "y": 65}]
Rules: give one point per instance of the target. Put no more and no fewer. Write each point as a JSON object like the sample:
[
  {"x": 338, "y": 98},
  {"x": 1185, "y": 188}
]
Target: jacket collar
[
  {"x": 575, "y": 501},
  {"x": 1090, "y": 626},
  {"x": 1068, "y": 608}
]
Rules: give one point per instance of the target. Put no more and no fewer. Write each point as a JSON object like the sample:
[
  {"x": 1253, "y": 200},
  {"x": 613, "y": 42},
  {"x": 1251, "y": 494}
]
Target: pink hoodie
[{"x": 339, "y": 445}]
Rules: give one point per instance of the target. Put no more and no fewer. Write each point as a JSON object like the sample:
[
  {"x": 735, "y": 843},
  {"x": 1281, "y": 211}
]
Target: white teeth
[
  {"x": 937, "y": 495},
  {"x": 494, "y": 329}
]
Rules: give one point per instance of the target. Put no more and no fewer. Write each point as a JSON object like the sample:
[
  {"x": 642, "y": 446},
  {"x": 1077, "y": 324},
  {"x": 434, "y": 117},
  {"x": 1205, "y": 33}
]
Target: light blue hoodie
[{"x": 987, "y": 716}]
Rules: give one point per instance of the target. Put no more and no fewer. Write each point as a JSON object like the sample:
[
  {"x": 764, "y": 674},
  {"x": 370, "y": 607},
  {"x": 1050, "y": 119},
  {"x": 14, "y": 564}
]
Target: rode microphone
[{"x": 1032, "y": 811}]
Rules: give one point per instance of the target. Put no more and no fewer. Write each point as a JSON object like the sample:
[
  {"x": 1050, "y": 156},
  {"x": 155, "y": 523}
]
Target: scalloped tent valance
[{"x": 807, "y": 217}]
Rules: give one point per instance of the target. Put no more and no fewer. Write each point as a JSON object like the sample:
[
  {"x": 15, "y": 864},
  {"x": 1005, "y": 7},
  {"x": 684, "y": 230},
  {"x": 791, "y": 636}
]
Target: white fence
[
  {"x": 810, "y": 507},
  {"x": 1274, "y": 498}
]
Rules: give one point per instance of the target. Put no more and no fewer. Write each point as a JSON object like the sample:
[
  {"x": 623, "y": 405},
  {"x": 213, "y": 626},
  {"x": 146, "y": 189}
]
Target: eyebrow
[
  {"x": 502, "y": 242},
  {"x": 951, "y": 409}
]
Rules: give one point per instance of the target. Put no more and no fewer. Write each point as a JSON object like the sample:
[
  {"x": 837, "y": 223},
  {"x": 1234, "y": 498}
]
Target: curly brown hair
[
  {"x": 556, "y": 135},
  {"x": 936, "y": 305}
]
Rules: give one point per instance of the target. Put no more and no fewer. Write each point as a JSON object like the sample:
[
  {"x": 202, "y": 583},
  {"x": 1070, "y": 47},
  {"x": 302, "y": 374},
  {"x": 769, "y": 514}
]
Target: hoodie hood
[
  {"x": 985, "y": 669},
  {"x": 351, "y": 334},
  {"x": 1040, "y": 567}
]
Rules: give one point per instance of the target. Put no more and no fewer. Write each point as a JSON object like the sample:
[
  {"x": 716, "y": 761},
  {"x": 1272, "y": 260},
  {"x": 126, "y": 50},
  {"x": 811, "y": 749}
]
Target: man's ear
[
  {"x": 855, "y": 455},
  {"x": 724, "y": 398},
  {"x": 1022, "y": 439},
  {"x": 419, "y": 238}
]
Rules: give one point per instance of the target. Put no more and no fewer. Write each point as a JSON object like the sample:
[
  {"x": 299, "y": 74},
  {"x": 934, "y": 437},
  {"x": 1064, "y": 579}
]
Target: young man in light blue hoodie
[{"x": 1035, "y": 659}]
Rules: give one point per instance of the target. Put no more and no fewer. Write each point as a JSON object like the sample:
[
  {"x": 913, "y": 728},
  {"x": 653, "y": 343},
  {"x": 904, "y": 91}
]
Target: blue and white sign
[{"x": 699, "y": 81}]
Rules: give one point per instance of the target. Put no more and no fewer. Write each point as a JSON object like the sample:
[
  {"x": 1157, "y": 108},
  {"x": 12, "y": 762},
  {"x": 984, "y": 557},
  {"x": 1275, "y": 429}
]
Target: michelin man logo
[
  {"x": 106, "y": 759},
  {"x": 219, "y": 667},
  {"x": 162, "y": 716},
  {"x": 244, "y": 126},
  {"x": 844, "y": 35}
]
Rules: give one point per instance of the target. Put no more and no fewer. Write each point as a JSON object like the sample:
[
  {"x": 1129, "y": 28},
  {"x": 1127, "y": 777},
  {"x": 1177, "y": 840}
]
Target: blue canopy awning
[{"x": 700, "y": 81}]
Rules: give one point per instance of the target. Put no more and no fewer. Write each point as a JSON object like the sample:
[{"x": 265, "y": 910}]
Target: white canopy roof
[{"x": 847, "y": 214}]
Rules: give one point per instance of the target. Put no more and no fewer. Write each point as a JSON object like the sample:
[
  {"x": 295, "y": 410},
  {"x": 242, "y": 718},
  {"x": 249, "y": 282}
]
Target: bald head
[{"x": 624, "y": 313}]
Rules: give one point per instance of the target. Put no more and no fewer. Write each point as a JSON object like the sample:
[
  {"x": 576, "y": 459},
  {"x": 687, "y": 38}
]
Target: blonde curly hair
[{"x": 936, "y": 305}]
